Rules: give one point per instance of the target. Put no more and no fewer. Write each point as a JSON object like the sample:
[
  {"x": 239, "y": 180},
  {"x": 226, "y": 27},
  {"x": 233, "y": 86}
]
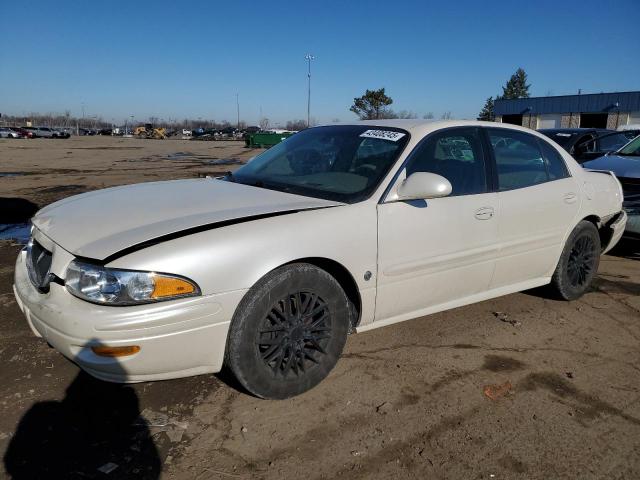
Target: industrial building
[{"x": 597, "y": 110}]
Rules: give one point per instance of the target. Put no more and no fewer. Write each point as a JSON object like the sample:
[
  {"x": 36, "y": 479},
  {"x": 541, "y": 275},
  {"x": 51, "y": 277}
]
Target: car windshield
[
  {"x": 611, "y": 142},
  {"x": 345, "y": 163},
  {"x": 632, "y": 148},
  {"x": 564, "y": 139}
]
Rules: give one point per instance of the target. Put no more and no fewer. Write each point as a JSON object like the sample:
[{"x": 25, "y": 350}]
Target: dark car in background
[
  {"x": 625, "y": 163},
  {"x": 585, "y": 144}
]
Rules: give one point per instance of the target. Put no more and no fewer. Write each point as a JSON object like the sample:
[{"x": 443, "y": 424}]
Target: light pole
[
  {"x": 308, "y": 57},
  {"x": 238, "y": 108}
]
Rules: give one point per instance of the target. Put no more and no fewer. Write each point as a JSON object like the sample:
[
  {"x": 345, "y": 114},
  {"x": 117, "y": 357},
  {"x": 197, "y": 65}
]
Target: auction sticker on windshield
[{"x": 383, "y": 134}]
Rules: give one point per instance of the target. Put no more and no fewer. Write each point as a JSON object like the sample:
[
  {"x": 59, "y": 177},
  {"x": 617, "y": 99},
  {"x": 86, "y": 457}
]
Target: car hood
[
  {"x": 622, "y": 166},
  {"x": 104, "y": 222}
]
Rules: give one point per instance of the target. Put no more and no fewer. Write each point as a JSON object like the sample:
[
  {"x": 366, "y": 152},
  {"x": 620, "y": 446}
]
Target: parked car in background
[
  {"x": 625, "y": 163},
  {"x": 338, "y": 228},
  {"x": 60, "y": 133},
  {"x": 105, "y": 131},
  {"x": 24, "y": 133},
  {"x": 186, "y": 132},
  {"x": 86, "y": 131},
  {"x": 587, "y": 143},
  {"x": 6, "y": 132},
  {"x": 41, "y": 132}
]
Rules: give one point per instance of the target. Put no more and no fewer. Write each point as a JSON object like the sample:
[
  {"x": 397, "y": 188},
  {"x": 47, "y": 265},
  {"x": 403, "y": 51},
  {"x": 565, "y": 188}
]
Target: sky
[{"x": 176, "y": 60}]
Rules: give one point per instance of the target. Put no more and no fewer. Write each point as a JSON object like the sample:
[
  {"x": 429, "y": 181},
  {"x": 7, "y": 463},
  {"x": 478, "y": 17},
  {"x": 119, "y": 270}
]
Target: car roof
[
  {"x": 422, "y": 127},
  {"x": 574, "y": 131}
]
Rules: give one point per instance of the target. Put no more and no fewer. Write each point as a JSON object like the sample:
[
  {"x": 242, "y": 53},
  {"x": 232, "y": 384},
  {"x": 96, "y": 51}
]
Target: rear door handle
[
  {"x": 570, "y": 197},
  {"x": 484, "y": 213}
]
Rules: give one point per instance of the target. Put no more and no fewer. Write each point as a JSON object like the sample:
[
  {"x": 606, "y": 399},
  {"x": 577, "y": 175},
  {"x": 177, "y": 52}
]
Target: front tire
[
  {"x": 578, "y": 263},
  {"x": 288, "y": 331}
]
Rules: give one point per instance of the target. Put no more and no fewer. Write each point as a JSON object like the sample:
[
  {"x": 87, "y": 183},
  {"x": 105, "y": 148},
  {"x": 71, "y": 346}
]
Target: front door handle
[
  {"x": 484, "y": 213},
  {"x": 570, "y": 197}
]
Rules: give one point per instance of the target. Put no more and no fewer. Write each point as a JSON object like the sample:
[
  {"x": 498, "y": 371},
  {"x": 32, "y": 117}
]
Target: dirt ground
[{"x": 517, "y": 387}]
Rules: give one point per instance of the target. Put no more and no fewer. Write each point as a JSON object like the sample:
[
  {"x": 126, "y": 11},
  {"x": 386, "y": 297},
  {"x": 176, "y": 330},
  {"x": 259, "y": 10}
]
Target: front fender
[{"x": 237, "y": 256}]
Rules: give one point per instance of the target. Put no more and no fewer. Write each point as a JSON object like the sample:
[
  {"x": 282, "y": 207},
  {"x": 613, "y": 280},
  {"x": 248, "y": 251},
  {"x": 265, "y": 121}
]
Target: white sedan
[
  {"x": 337, "y": 229},
  {"x": 6, "y": 132}
]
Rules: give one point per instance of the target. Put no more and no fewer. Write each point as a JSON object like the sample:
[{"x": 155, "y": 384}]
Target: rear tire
[
  {"x": 578, "y": 263},
  {"x": 288, "y": 331}
]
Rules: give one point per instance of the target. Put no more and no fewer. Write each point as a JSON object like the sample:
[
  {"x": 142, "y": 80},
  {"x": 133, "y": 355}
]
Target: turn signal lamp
[{"x": 125, "y": 351}]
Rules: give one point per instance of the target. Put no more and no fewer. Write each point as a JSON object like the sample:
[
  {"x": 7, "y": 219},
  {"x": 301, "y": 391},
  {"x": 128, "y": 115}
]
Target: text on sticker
[{"x": 383, "y": 134}]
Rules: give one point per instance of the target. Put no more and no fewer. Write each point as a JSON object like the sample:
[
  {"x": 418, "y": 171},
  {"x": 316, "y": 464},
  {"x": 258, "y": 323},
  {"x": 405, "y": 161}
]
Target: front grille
[
  {"x": 631, "y": 191},
  {"x": 38, "y": 265}
]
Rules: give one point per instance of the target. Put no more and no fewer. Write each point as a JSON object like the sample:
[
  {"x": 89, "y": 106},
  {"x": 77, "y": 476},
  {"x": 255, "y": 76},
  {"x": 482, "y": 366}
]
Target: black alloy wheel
[
  {"x": 288, "y": 331},
  {"x": 294, "y": 334},
  {"x": 581, "y": 261}
]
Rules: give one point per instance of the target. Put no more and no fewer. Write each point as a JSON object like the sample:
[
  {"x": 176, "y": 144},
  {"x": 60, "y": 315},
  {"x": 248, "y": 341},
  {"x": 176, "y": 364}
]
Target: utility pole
[
  {"x": 77, "y": 126},
  {"x": 238, "y": 108},
  {"x": 308, "y": 57}
]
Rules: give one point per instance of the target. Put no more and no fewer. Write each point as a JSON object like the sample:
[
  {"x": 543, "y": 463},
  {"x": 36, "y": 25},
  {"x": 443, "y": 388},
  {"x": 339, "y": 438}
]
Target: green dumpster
[{"x": 265, "y": 139}]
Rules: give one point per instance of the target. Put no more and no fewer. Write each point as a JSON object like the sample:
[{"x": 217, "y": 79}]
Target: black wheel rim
[
  {"x": 581, "y": 261},
  {"x": 294, "y": 335}
]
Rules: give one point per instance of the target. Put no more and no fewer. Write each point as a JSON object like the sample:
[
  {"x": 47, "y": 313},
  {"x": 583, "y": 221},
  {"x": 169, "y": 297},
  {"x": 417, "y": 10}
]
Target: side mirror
[{"x": 423, "y": 185}]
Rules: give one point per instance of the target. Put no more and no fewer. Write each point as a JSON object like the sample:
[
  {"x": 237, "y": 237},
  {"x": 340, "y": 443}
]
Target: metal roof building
[{"x": 595, "y": 110}]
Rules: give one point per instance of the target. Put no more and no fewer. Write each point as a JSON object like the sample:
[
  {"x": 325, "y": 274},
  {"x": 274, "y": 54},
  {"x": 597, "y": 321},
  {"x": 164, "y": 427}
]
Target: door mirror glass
[{"x": 424, "y": 185}]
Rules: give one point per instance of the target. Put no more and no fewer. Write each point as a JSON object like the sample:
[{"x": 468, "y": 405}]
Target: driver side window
[{"x": 457, "y": 155}]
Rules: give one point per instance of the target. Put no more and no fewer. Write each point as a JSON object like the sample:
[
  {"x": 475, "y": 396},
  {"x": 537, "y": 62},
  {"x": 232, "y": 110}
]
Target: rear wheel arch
[
  {"x": 578, "y": 263},
  {"x": 604, "y": 232}
]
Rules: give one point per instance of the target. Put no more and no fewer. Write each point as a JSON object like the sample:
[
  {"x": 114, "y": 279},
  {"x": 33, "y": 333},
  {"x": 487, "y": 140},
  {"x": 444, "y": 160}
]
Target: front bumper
[{"x": 176, "y": 338}]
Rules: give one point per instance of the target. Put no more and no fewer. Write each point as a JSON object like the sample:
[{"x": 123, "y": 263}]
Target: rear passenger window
[
  {"x": 555, "y": 163},
  {"x": 457, "y": 155},
  {"x": 518, "y": 159}
]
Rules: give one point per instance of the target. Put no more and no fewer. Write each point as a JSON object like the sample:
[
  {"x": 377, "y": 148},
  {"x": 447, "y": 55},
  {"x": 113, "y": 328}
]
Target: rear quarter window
[{"x": 556, "y": 166}]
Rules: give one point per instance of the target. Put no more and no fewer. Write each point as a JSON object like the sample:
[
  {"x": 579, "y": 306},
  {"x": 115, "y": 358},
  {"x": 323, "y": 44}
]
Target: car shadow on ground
[
  {"x": 94, "y": 431},
  {"x": 16, "y": 210}
]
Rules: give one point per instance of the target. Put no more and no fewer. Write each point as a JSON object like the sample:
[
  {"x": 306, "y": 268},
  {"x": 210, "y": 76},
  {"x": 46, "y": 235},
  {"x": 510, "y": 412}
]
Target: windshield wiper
[{"x": 270, "y": 186}]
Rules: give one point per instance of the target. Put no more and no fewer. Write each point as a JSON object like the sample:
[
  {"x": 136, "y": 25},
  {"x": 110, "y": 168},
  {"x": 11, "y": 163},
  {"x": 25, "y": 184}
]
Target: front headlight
[{"x": 111, "y": 286}]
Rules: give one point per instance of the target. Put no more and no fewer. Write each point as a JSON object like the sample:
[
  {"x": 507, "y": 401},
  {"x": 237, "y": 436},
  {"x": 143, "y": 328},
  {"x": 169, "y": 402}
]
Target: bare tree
[
  {"x": 264, "y": 123},
  {"x": 296, "y": 125},
  {"x": 428, "y": 116},
  {"x": 406, "y": 114},
  {"x": 446, "y": 116}
]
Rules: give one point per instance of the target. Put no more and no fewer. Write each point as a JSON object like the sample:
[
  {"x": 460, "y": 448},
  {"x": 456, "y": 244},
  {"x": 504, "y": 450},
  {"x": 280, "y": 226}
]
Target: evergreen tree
[
  {"x": 486, "y": 114},
  {"x": 517, "y": 86},
  {"x": 372, "y": 105}
]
